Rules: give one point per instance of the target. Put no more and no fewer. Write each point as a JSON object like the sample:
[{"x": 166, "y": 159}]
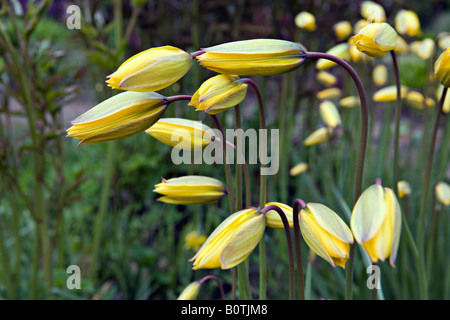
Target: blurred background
[{"x": 93, "y": 206}]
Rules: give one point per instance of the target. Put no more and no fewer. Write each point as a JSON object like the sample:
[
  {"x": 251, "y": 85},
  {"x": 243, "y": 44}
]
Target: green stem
[
  {"x": 359, "y": 170},
  {"x": 298, "y": 205},
  {"x": 426, "y": 187},
  {"x": 398, "y": 111},
  {"x": 262, "y": 192},
  {"x": 287, "y": 230}
]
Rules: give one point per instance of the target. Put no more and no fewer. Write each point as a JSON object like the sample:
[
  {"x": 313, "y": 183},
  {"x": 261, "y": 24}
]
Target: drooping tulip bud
[{"x": 376, "y": 39}]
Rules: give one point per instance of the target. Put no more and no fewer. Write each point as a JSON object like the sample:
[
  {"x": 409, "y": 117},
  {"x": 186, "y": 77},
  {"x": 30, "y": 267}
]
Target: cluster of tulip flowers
[{"x": 376, "y": 218}]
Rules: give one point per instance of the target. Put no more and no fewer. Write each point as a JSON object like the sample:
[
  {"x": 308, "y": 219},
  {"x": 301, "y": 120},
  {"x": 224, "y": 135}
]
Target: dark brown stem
[{"x": 298, "y": 205}]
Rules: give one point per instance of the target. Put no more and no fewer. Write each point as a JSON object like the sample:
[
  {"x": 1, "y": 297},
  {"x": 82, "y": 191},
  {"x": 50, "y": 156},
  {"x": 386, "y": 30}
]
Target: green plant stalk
[
  {"x": 8, "y": 280},
  {"x": 359, "y": 172},
  {"x": 398, "y": 111},
  {"x": 287, "y": 230},
  {"x": 262, "y": 192},
  {"x": 424, "y": 201},
  {"x": 298, "y": 205}
]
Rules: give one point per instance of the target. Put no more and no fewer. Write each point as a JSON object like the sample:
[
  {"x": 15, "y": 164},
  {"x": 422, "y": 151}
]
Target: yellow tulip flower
[
  {"x": 273, "y": 219},
  {"x": 326, "y": 233},
  {"x": 151, "y": 70},
  {"x": 319, "y": 136},
  {"x": 375, "y": 39},
  {"x": 339, "y": 50},
  {"x": 376, "y": 223},
  {"x": 416, "y": 100},
  {"x": 373, "y": 11},
  {"x": 298, "y": 169},
  {"x": 330, "y": 93},
  {"x": 423, "y": 49},
  {"x": 232, "y": 241},
  {"x": 407, "y": 22},
  {"x": 194, "y": 134},
  {"x": 404, "y": 189},
  {"x": 325, "y": 78},
  {"x": 330, "y": 114},
  {"x": 194, "y": 240},
  {"x": 350, "y": 102},
  {"x": 190, "y": 190},
  {"x": 253, "y": 57},
  {"x": 120, "y": 116},
  {"x": 342, "y": 29},
  {"x": 219, "y": 93},
  {"x": 442, "y": 68},
  {"x": 305, "y": 20},
  {"x": 190, "y": 292},
  {"x": 389, "y": 93},
  {"x": 379, "y": 75},
  {"x": 442, "y": 192}
]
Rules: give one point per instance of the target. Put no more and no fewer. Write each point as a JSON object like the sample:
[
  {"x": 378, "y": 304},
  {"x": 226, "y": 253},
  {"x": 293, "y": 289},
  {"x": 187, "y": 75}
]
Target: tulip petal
[{"x": 368, "y": 214}]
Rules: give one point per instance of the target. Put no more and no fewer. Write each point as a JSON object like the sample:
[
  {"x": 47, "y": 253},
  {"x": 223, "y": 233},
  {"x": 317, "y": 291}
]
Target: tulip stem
[
  {"x": 298, "y": 205},
  {"x": 362, "y": 148},
  {"x": 427, "y": 178},
  {"x": 262, "y": 190},
  {"x": 398, "y": 111},
  {"x": 287, "y": 230},
  {"x": 219, "y": 283}
]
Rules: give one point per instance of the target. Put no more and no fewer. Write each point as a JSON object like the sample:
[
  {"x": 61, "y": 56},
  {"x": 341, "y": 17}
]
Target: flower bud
[
  {"x": 330, "y": 114},
  {"x": 305, "y": 20},
  {"x": 151, "y": 70},
  {"x": 407, "y": 22},
  {"x": 389, "y": 93},
  {"x": 375, "y": 39},
  {"x": 273, "y": 219},
  {"x": 219, "y": 93},
  {"x": 319, "y": 136},
  {"x": 442, "y": 68},
  {"x": 442, "y": 192}
]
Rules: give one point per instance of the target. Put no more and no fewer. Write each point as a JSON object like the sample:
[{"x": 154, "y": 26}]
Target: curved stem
[
  {"x": 298, "y": 205},
  {"x": 287, "y": 230},
  {"x": 219, "y": 283},
  {"x": 262, "y": 190},
  {"x": 398, "y": 110},
  {"x": 426, "y": 184},
  {"x": 362, "y": 149}
]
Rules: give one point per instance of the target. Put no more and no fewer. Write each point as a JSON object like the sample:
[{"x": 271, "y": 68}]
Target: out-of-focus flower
[
  {"x": 359, "y": 25},
  {"x": 305, "y": 20},
  {"x": 423, "y": 49},
  {"x": 219, "y": 93},
  {"x": 330, "y": 93},
  {"x": 298, "y": 169},
  {"x": 443, "y": 40},
  {"x": 404, "y": 189},
  {"x": 232, "y": 241},
  {"x": 442, "y": 68},
  {"x": 442, "y": 192},
  {"x": 273, "y": 219},
  {"x": 194, "y": 135},
  {"x": 407, "y": 22},
  {"x": 326, "y": 233},
  {"x": 373, "y": 11},
  {"x": 151, "y": 70},
  {"x": 190, "y": 292},
  {"x": 190, "y": 190},
  {"x": 358, "y": 56},
  {"x": 342, "y": 29},
  {"x": 376, "y": 223},
  {"x": 416, "y": 100},
  {"x": 325, "y": 78},
  {"x": 375, "y": 39},
  {"x": 350, "y": 102},
  {"x": 389, "y": 93},
  {"x": 340, "y": 50},
  {"x": 319, "y": 136},
  {"x": 446, "y": 106},
  {"x": 194, "y": 240},
  {"x": 253, "y": 57},
  {"x": 120, "y": 116},
  {"x": 402, "y": 46},
  {"x": 379, "y": 74},
  {"x": 330, "y": 114}
]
